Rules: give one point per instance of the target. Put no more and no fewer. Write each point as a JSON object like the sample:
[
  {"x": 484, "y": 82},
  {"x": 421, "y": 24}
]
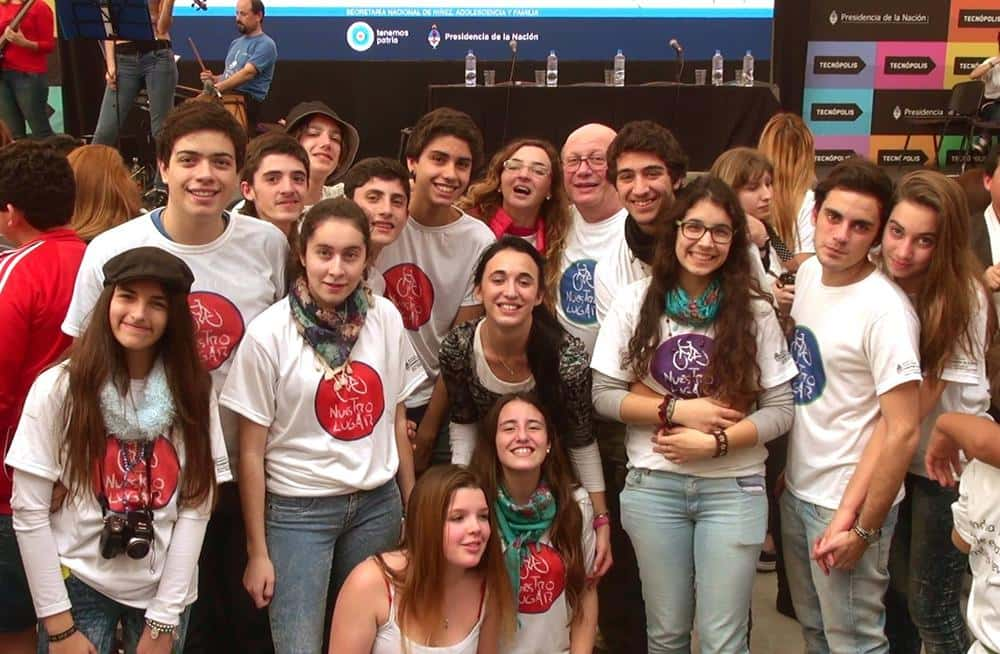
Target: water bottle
[
  {"x": 619, "y": 69},
  {"x": 748, "y": 69},
  {"x": 717, "y": 68},
  {"x": 470, "y": 69},
  {"x": 552, "y": 69}
]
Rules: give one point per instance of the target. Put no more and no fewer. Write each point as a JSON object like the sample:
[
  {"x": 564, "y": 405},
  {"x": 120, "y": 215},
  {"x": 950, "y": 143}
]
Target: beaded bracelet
[
  {"x": 721, "y": 443},
  {"x": 666, "y": 410},
  {"x": 62, "y": 635},
  {"x": 601, "y": 519}
]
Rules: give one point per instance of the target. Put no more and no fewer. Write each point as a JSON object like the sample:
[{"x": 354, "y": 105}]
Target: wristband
[
  {"x": 601, "y": 519},
  {"x": 158, "y": 628},
  {"x": 721, "y": 443},
  {"x": 666, "y": 410},
  {"x": 62, "y": 635}
]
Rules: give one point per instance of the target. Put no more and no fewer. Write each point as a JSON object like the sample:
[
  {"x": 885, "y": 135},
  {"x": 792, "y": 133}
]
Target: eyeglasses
[
  {"x": 595, "y": 161},
  {"x": 536, "y": 169},
  {"x": 695, "y": 229}
]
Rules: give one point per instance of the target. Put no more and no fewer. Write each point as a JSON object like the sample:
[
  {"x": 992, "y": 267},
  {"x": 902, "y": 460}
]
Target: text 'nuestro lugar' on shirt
[
  {"x": 851, "y": 344},
  {"x": 236, "y": 277},
  {"x": 428, "y": 276},
  {"x": 968, "y": 388},
  {"x": 977, "y": 521},
  {"x": 322, "y": 439},
  {"x": 586, "y": 244},
  {"x": 543, "y": 611},
  {"x": 677, "y": 367},
  {"x": 38, "y": 449}
]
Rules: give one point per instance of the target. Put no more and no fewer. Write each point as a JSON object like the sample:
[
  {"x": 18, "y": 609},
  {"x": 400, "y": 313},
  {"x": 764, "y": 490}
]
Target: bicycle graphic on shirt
[
  {"x": 688, "y": 356},
  {"x": 804, "y": 385},
  {"x": 582, "y": 279},
  {"x": 351, "y": 386},
  {"x": 800, "y": 349},
  {"x": 205, "y": 316},
  {"x": 407, "y": 286}
]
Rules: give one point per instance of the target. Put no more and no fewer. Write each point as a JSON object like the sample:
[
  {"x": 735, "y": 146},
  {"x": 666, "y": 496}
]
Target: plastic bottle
[
  {"x": 470, "y": 69},
  {"x": 552, "y": 69},
  {"x": 619, "y": 77},
  {"x": 748, "y": 69},
  {"x": 717, "y": 68}
]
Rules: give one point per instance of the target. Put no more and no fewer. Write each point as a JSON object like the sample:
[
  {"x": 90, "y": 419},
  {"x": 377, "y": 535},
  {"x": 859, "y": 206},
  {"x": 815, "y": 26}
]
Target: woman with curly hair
[
  {"x": 106, "y": 196},
  {"x": 704, "y": 337},
  {"x": 522, "y": 195}
]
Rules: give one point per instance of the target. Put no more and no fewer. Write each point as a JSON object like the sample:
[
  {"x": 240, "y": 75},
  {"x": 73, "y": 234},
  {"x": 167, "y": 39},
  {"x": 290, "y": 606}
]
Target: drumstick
[{"x": 197, "y": 55}]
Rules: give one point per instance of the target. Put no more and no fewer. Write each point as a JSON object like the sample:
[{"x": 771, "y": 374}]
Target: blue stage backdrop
[{"x": 419, "y": 31}]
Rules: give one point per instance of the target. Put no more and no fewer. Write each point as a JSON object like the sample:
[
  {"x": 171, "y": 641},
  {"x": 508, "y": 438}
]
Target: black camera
[
  {"x": 786, "y": 279},
  {"x": 131, "y": 533}
]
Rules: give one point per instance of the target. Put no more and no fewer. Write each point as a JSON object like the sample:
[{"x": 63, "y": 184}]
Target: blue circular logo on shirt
[
  {"x": 360, "y": 36},
  {"x": 576, "y": 292},
  {"x": 808, "y": 385}
]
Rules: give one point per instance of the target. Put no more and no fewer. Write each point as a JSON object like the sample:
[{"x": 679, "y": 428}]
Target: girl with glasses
[{"x": 702, "y": 335}]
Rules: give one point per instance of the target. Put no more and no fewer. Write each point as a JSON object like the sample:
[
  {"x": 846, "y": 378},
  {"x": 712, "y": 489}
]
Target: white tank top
[{"x": 389, "y": 639}]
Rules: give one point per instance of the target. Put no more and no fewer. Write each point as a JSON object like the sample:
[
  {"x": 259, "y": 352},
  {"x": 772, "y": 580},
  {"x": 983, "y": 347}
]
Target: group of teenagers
[{"x": 376, "y": 408}]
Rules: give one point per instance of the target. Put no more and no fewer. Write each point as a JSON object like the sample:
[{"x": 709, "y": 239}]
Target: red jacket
[
  {"x": 36, "y": 285},
  {"x": 38, "y": 26}
]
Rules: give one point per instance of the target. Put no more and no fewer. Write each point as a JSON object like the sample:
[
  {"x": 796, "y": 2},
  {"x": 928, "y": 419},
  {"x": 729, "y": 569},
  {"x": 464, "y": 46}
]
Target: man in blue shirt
[{"x": 249, "y": 62}]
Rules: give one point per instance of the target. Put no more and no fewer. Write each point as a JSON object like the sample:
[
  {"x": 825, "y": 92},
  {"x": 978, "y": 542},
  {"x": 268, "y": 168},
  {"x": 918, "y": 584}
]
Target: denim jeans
[
  {"x": 697, "y": 541},
  {"x": 925, "y": 574},
  {"x": 155, "y": 70},
  {"x": 842, "y": 612},
  {"x": 314, "y": 543},
  {"x": 97, "y": 617},
  {"x": 24, "y": 98}
]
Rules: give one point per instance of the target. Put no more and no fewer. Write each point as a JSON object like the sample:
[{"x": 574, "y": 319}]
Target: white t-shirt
[
  {"x": 992, "y": 78},
  {"x": 375, "y": 281},
  {"x": 851, "y": 343},
  {"x": 968, "y": 388},
  {"x": 586, "y": 244},
  {"x": 428, "y": 276},
  {"x": 323, "y": 440},
  {"x": 977, "y": 521},
  {"x": 37, "y": 449},
  {"x": 993, "y": 231},
  {"x": 236, "y": 276},
  {"x": 618, "y": 268},
  {"x": 543, "y": 612},
  {"x": 678, "y": 365}
]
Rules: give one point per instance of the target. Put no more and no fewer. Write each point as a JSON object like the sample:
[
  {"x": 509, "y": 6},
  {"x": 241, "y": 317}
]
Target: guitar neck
[{"x": 15, "y": 23}]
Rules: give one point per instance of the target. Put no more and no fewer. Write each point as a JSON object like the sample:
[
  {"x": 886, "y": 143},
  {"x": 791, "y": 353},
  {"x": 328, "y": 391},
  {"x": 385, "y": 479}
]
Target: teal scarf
[
  {"x": 332, "y": 333},
  {"x": 698, "y": 312},
  {"x": 521, "y": 525}
]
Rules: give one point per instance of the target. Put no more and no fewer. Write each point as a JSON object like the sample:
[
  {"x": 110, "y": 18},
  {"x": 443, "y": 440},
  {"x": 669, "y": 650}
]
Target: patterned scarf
[
  {"x": 331, "y": 333},
  {"x": 698, "y": 312},
  {"x": 521, "y": 525},
  {"x": 779, "y": 246},
  {"x": 144, "y": 421},
  {"x": 501, "y": 223}
]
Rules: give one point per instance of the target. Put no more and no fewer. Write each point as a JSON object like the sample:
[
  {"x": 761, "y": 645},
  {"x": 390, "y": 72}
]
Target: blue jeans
[
  {"x": 696, "y": 541},
  {"x": 155, "y": 70},
  {"x": 925, "y": 574},
  {"x": 842, "y": 612},
  {"x": 24, "y": 98},
  {"x": 97, "y": 617},
  {"x": 314, "y": 543}
]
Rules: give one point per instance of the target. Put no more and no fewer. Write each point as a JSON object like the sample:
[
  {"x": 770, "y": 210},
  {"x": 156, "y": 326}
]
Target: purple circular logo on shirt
[{"x": 679, "y": 364}]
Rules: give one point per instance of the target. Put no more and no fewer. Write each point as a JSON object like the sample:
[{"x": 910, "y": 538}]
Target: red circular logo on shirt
[
  {"x": 122, "y": 477},
  {"x": 349, "y": 406},
  {"x": 412, "y": 293},
  {"x": 218, "y": 327},
  {"x": 543, "y": 578}
]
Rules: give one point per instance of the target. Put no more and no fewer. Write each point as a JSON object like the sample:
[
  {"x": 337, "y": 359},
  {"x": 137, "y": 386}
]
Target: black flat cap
[{"x": 149, "y": 263}]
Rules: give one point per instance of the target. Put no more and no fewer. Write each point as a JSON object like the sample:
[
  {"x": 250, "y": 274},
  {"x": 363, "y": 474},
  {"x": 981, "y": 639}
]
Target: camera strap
[{"x": 127, "y": 465}]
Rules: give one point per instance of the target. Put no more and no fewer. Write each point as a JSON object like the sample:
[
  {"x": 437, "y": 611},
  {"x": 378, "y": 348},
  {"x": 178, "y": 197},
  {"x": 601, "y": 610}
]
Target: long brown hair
[
  {"x": 944, "y": 304},
  {"x": 420, "y": 586},
  {"x": 787, "y": 142},
  {"x": 97, "y": 357},
  {"x": 740, "y": 167},
  {"x": 568, "y": 523},
  {"x": 105, "y": 194},
  {"x": 732, "y": 375},
  {"x": 484, "y": 198}
]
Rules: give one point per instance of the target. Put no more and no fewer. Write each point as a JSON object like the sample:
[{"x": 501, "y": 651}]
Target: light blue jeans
[
  {"x": 843, "y": 612},
  {"x": 697, "y": 541},
  {"x": 155, "y": 70},
  {"x": 314, "y": 543}
]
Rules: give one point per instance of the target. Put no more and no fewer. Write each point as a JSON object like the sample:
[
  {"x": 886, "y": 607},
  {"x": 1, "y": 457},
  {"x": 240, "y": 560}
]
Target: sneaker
[{"x": 767, "y": 562}]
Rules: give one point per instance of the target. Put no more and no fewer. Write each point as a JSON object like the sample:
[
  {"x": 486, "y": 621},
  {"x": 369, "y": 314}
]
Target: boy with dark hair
[
  {"x": 36, "y": 283},
  {"x": 856, "y": 346},
  {"x": 239, "y": 268},
  {"x": 274, "y": 180},
  {"x": 381, "y": 187},
  {"x": 428, "y": 270}
]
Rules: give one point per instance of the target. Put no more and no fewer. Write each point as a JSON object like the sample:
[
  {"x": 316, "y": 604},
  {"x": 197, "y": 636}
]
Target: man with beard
[{"x": 249, "y": 62}]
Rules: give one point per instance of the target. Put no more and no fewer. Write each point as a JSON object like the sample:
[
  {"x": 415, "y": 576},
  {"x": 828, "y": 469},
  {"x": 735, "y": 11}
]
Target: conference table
[{"x": 705, "y": 119}]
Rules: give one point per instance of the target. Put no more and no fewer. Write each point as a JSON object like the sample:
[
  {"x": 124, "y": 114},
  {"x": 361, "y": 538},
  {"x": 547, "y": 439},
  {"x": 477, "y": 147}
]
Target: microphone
[
  {"x": 513, "y": 59},
  {"x": 510, "y": 85},
  {"x": 677, "y": 47}
]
